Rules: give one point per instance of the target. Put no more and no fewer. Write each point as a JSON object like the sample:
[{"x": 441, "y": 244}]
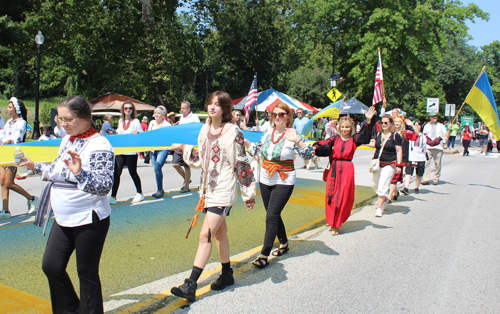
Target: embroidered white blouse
[
  {"x": 153, "y": 125},
  {"x": 283, "y": 150},
  {"x": 13, "y": 131},
  {"x": 74, "y": 198},
  {"x": 224, "y": 163}
]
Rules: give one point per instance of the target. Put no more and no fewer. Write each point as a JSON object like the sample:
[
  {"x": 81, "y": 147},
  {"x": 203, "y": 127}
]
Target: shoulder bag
[{"x": 375, "y": 163}]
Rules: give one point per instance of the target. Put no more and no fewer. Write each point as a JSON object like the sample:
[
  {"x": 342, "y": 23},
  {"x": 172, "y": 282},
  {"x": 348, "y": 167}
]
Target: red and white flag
[
  {"x": 251, "y": 99},
  {"x": 378, "y": 93}
]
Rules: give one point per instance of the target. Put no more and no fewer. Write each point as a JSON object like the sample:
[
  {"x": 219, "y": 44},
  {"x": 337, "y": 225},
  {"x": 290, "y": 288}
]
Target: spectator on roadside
[
  {"x": 14, "y": 132},
  {"x": 171, "y": 118},
  {"x": 453, "y": 134},
  {"x": 178, "y": 162},
  {"x": 128, "y": 124},
  {"x": 144, "y": 123},
  {"x": 59, "y": 131},
  {"x": 265, "y": 125},
  {"x": 435, "y": 132},
  {"x": 238, "y": 121},
  {"x": 299, "y": 123},
  {"x": 107, "y": 129},
  {"x": 46, "y": 134},
  {"x": 158, "y": 157}
]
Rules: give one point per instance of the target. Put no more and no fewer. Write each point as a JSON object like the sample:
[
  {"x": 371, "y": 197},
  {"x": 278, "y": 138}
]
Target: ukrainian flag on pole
[
  {"x": 331, "y": 111},
  {"x": 481, "y": 99}
]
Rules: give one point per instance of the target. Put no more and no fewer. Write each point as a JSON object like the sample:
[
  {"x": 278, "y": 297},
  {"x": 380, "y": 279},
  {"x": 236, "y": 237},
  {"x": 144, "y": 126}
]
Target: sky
[{"x": 485, "y": 33}]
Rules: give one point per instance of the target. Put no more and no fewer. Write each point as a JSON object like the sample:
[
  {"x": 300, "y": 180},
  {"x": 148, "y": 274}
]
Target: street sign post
[{"x": 432, "y": 104}]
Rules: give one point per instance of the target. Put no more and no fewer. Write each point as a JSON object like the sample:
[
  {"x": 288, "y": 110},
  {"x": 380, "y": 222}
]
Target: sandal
[
  {"x": 281, "y": 250},
  {"x": 261, "y": 262}
]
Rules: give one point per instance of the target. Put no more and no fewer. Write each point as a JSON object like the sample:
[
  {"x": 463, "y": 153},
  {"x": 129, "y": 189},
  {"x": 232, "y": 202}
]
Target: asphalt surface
[{"x": 432, "y": 252}]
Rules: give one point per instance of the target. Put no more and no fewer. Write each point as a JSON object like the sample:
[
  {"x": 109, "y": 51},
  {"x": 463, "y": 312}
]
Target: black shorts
[
  {"x": 219, "y": 210},
  {"x": 420, "y": 168},
  {"x": 177, "y": 159}
]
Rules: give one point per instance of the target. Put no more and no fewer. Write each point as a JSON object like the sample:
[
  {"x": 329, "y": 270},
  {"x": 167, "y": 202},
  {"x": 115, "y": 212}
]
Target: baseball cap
[{"x": 144, "y": 118}]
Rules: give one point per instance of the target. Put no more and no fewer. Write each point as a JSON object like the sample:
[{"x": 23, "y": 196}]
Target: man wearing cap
[
  {"x": 178, "y": 162},
  {"x": 436, "y": 133},
  {"x": 144, "y": 123}
]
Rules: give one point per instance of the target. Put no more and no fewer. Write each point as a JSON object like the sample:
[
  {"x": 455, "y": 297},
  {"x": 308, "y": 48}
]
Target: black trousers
[
  {"x": 466, "y": 144},
  {"x": 275, "y": 198},
  {"x": 131, "y": 161},
  {"x": 88, "y": 241}
]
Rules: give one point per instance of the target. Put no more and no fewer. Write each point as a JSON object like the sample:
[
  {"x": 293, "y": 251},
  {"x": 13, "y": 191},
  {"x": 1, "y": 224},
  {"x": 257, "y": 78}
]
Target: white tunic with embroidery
[
  {"x": 282, "y": 150},
  {"x": 224, "y": 163},
  {"x": 74, "y": 198},
  {"x": 13, "y": 131}
]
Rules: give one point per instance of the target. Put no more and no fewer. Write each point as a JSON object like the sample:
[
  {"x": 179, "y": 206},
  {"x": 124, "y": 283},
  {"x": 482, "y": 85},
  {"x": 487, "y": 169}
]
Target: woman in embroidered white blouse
[
  {"x": 224, "y": 163},
  {"x": 14, "y": 132},
  {"x": 80, "y": 177}
]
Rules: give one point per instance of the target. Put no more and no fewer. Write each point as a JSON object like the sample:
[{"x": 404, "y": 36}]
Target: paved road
[{"x": 428, "y": 253}]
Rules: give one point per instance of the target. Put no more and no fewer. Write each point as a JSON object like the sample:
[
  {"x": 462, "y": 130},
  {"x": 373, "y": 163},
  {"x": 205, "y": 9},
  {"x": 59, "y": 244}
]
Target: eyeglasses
[
  {"x": 61, "y": 120},
  {"x": 127, "y": 108},
  {"x": 280, "y": 115},
  {"x": 385, "y": 122}
]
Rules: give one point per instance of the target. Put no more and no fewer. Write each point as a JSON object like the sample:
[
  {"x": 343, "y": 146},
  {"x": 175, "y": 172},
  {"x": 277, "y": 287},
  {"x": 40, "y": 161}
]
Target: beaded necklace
[{"x": 279, "y": 139}]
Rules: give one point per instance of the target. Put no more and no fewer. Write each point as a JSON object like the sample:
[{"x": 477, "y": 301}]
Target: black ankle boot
[{"x": 225, "y": 279}]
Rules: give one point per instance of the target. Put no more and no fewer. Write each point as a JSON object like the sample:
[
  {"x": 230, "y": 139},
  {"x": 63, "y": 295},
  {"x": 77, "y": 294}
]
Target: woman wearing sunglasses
[
  {"x": 238, "y": 121},
  {"x": 391, "y": 158},
  {"x": 128, "y": 124},
  {"x": 277, "y": 175}
]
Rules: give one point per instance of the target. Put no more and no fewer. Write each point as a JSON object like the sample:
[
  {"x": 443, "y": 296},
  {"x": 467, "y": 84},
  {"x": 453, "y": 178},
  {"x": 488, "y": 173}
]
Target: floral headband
[
  {"x": 14, "y": 101},
  {"x": 346, "y": 118}
]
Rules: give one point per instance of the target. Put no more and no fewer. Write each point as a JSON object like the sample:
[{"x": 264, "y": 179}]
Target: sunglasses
[
  {"x": 61, "y": 120},
  {"x": 127, "y": 108},
  {"x": 385, "y": 122},
  {"x": 280, "y": 115}
]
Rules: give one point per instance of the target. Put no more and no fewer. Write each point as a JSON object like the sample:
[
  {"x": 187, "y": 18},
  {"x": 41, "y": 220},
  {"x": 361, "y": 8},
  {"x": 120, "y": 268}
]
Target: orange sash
[{"x": 282, "y": 166}]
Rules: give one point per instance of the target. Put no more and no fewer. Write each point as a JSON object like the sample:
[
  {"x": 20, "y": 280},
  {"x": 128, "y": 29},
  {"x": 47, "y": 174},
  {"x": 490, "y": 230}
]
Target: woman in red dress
[{"x": 340, "y": 177}]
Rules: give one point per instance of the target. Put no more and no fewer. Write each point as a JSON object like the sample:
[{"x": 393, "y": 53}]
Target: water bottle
[{"x": 19, "y": 157}]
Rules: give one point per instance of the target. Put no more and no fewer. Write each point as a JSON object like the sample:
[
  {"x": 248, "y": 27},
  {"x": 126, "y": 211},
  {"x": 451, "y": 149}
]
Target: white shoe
[
  {"x": 4, "y": 215},
  {"x": 139, "y": 197},
  {"x": 316, "y": 161},
  {"x": 112, "y": 200},
  {"x": 384, "y": 204},
  {"x": 378, "y": 212},
  {"x": 32, "y": 204}
]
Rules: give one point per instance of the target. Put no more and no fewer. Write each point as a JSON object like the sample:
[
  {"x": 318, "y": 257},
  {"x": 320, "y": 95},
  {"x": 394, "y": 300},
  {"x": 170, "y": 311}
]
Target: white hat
[{"x": 145, "y": 118}]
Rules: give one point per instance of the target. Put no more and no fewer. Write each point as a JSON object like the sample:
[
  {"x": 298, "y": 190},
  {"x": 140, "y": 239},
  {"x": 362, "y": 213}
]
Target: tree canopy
[{"x": 165, "y": 51}]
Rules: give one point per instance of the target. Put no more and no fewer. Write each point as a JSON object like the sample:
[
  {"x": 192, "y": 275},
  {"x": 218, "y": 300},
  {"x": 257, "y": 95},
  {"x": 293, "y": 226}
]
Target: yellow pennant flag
[{"x": 334, "y": 94}]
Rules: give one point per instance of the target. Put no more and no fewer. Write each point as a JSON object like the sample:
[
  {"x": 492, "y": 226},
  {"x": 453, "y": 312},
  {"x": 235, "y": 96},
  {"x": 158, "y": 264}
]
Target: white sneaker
[
  {"x": 139, "y": 197},
  {"x": 378, "y": 212},
  {"x": 32, "y": 204},
  {"x": 112, "y": 200},
  {"x": 4, "y": 215},
  {"x": 384, "y": 204}
]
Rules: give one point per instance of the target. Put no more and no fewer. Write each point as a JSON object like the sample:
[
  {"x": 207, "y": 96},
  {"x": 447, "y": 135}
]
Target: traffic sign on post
[
  {"x": 432, "y": 104},
  {"x": 449, "y": 110}
]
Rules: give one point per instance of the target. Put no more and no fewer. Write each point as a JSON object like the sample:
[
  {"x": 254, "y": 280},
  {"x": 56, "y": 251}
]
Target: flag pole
[
  {"x": 484, "y": 68},
  {"x": 381, "y": 67}
]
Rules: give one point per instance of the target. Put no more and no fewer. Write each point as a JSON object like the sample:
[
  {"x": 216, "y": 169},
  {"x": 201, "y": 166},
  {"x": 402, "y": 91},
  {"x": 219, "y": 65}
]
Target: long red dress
[{"x": 340, "y": 183}]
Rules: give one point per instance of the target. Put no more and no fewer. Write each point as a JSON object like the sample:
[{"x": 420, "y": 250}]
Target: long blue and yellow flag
[
  {"x": 481, "y": 99},
  {"x": 160, "y": 139},
  {"x": 332, "y": 111}
]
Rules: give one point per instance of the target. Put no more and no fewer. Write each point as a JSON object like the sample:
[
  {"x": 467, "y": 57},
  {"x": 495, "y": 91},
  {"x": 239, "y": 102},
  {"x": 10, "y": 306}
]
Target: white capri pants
[{"x": 382, "y": 180}]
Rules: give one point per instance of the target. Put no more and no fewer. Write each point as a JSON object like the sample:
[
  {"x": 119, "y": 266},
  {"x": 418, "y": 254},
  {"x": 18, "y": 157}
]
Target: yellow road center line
[{"x": 16, "y": 301}]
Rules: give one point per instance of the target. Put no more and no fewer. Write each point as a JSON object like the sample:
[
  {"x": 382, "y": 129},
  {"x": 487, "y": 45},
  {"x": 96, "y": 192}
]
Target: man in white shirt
[
  {"x": 46, "y": 134},
  {"x": 436, "y": 132},
  {"x": 59, "y": 131},
  {"x": 299, "y": 123},
  {"x": 178, "y": 163},
  {"x": 265, "y": 125}
]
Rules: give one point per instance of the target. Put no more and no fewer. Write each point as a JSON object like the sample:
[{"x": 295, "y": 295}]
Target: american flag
[
  {"x": 251, "y": 99},
  {"x": 378, "y": 94}
]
